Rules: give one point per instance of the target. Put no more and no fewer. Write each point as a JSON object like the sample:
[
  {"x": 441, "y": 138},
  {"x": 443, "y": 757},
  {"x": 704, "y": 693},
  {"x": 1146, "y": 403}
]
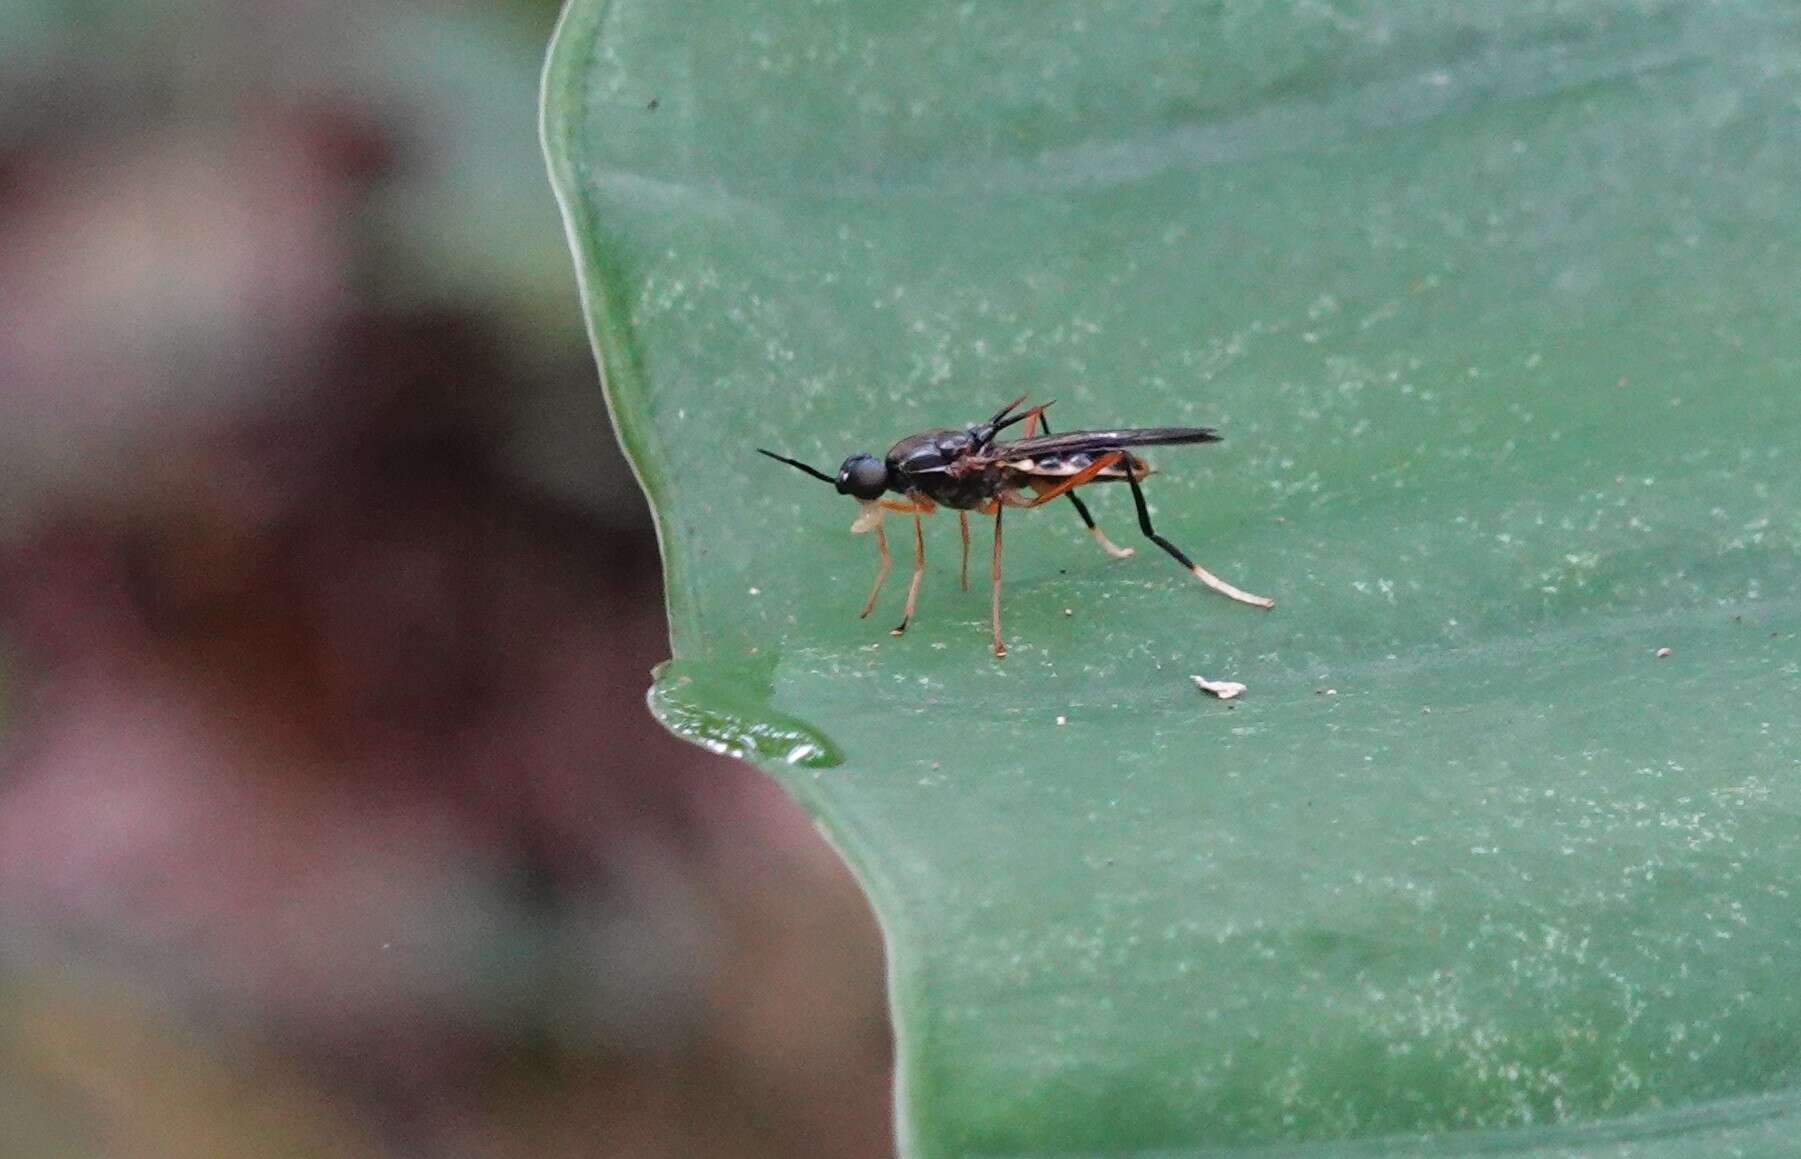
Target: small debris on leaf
[
  {"x": 1222, "y": 689},
  {"x": 1325, "y": 692},
  {"x": 1663, "y": 653},
  {"x": 1063, "y": 720}
]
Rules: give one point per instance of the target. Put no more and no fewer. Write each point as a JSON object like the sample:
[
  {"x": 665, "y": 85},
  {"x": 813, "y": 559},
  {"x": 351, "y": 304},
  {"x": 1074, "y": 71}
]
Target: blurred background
[{"x": 331, "y": 818}]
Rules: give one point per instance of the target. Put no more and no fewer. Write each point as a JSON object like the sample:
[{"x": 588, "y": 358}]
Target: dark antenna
[{"x": 799, "y": 466}]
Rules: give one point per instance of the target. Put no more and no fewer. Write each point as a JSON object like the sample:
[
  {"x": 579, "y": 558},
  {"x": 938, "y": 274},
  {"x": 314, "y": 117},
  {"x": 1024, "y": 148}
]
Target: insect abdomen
[{"x": 1063, "y": 466}]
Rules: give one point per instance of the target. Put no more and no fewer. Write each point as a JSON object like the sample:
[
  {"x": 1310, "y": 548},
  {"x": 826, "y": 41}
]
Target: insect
[{"x": 970, "y": 470}]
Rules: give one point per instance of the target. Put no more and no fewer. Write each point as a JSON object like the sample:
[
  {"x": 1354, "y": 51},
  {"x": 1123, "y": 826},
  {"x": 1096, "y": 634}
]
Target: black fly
[{"x": 968, "y": 470}]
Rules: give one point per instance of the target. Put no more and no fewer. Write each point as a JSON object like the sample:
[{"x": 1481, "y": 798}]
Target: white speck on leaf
[{"x": 1222, "y": 689}]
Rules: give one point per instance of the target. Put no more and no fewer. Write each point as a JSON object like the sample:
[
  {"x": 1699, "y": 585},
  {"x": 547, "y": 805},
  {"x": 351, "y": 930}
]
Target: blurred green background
[{"x": 331, "y": 820}]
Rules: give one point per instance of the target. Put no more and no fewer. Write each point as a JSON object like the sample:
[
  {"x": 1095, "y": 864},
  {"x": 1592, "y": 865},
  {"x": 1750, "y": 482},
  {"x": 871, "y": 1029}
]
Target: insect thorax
[{"x": 928, "y": 463}]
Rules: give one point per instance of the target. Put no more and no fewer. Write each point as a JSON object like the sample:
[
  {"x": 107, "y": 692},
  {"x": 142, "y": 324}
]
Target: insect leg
[
  {"x": 881, "y": 573},
  {"x": 1199, "y": 572},
  {"x": 1100, "y": 537},
  {"x": 919, "y": 573},
  {"x": 963, "y": 526},
  {"x": 1085, "y": 475},
  {"x": 1000, "y": 649}
]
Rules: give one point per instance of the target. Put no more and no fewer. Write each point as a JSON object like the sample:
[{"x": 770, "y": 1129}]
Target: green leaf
[{"x": 1494, "y": 305}]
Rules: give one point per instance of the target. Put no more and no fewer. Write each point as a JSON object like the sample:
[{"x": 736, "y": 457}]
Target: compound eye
[{"x": 863, "y": 476}]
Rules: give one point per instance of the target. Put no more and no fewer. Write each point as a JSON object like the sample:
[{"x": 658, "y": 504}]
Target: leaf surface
[{"x": 1493, "y": 305}]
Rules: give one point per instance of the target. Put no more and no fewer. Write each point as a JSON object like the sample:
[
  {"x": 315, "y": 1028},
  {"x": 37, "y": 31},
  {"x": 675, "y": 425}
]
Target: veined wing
[
  {"x": 1069, "y": 453},
  {"x": 1091, "y": 442}
]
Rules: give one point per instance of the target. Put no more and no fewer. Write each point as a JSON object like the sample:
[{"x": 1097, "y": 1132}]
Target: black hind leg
[{"x": 1195, "y": 569}]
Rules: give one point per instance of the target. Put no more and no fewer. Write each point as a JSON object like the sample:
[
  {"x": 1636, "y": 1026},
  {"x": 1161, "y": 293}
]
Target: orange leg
[
  {"x": 1085, "y": 475},
  {"x": 881, "y": 574},
  {"x": 919, "y": 573},
  {"x": 963, "y": 526},
  {"x": 1000, "y": 648}
]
